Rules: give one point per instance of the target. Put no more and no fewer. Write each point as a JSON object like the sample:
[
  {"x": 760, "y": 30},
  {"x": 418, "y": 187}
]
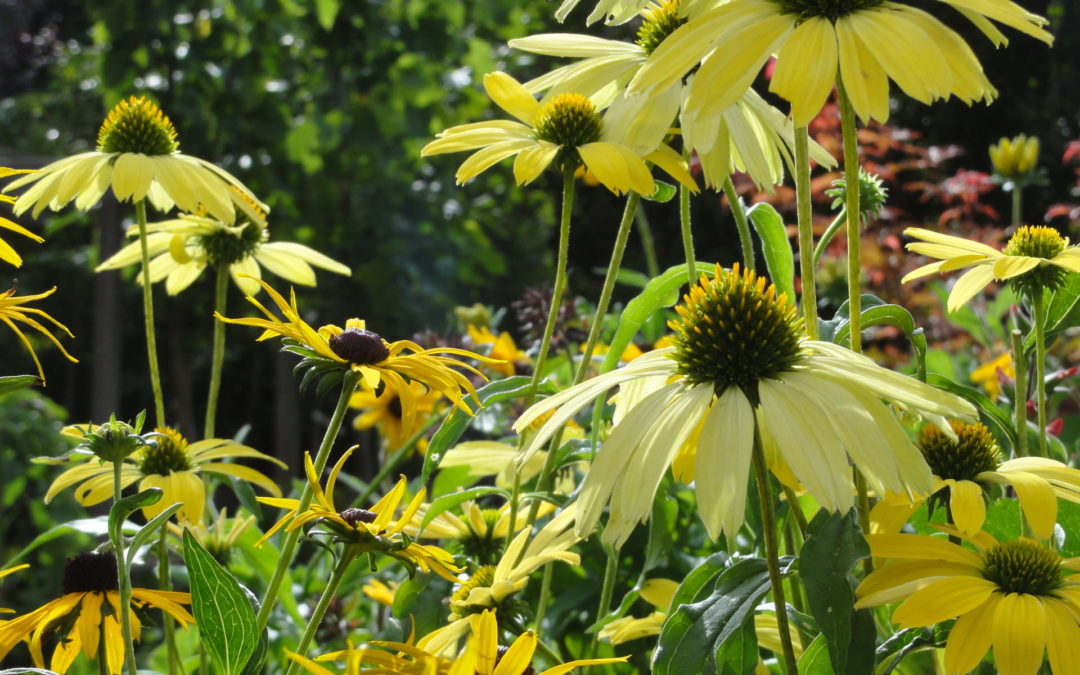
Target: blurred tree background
[{"x": 321, "y": 107}]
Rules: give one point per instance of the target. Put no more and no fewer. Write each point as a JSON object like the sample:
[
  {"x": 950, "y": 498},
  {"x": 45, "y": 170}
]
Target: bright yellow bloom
[
  {"x": 181, "y": 248},
  {"x": 366, "y": 353},
  {"x": 1014, "y": 157},
  {"x": 138, "y": 156},
  {"x": 1034, "y": 256},
  {"x": 174, "y": 465},
  {"x": 375, "y": 528},
  {"x": 491, "y": 458},
  {"x": 1018, "y": 596},
  {"x": 748, "y": 135},
  {"x": 481, "y": 531},
  {"x": 482, "y": 656},
  {"x": 13, "y": 308},
  {"x": 742, "y": 361},
  {"x": 987, "y": 374},
  {"x": 565, "y": 130},
  {"x": 385, "y": 411},
  {"x": 380, "y": 592},
  {"x": 503, "y": 348},
  {"x": 4, "y": 573},
  {"x": 869, "y": 41},
  {"x": 88, "y": 613},
  {"x": 7, "y": 253}
]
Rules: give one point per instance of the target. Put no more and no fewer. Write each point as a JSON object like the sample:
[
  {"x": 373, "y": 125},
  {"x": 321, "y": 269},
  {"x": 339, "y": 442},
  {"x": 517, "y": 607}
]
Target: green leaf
[
  {"x": 125, "y": 507},
  {"x": 991, "y": 415},
  {"x": 451, "y": 500},
  {"x": 664, "y": 192},
  {"x": 93, "y": 527},
  {"x": 10, "y": 383},
  {"x": 815, "y": 658},
  {"x": 146, "y": 532},
  {"x": 827, "y": 328},
  {"x": 1069, "y": 520},
  {"x": 457, "y": 422},
  {"x": 257, "y": 663},
  {"x": 222, "y": 609},
  {"x": 662, "y": 534},
  {"x": 779, "y": 258},
  {"x": 739, "y": 653},
  {"x": 893, "y": 650},
  {"x": 663, "y": 291},
  {"x": 834, "y": 545},
  {"x": 263, "y": 560},
  {"x": 893, "y": 315},
  {"x": 693, "y": 638},
  {"x": 326, "y": 11}
]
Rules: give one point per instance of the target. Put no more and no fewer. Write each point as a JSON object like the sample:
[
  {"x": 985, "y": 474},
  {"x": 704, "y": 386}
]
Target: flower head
[
  {"x": 365, "y": 352},
  {"x": 1015, "y": 158},
  {"x": 1018, "y": 596},
  {"x": 167, "y": 461},
  {"x": 138, "y": 156},
  {"x": 374, "y": 529},
  {"x": 502, "y": 348},
  {"x": 181, "y": 248},
  {"x": 481, "y": 531},
  {"x": 384, "y": 411},
  {"x": 88, "y": 613},
  {"x": 565, "y": 130},
  {"x": 860, "y": 43},
  {"x": 990, "y": 373},
  {"x": 14, "y": 308},
  {"x": 1036, "y": 257},
  {"x": 742, "y": 362}
]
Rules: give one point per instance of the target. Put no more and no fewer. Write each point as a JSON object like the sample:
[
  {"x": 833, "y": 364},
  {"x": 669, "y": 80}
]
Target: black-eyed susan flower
[
  {"x": 376, "y": 529},
  {"x": 743, "y": 366},
  {"x": 138, "y": 156},
  {"x": 483, "y": 655},
  {"x": 4, "y": 573},
  {"x": 1035, "y": 258},
  {"x": 565, "y": 130},
  {"x": 864, "y": 43},
  {"x": 749, "y": 135},
  {"x": 966, "y": 466},
  {"x": 481, "y": 531},
  {"x": 181, "y": 248},
  {"x": 14, "y": 308},
  {"x": 87, "y": 615},
  {"x": 168, "y": 461},
  {"x": 384, "y": 411},
  {"x": 1020, "y": 597},
  {"x": 368, "y": 354},
  {"x": 502, "y": 348},
  {"x": 7, "y": 253}
]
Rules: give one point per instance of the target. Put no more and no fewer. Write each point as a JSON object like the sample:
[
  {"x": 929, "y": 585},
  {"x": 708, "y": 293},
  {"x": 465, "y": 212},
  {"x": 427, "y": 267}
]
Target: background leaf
[{"x": 776, "y": 246}]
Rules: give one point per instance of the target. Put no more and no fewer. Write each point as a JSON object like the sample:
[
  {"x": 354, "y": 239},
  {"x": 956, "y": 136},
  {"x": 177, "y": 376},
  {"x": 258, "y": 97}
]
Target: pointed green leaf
[
  {"x": 146, "y": 532},
  {"x": 10, "y": 383},
  {"x": 893, "y": 315},
  {"x": 779, "y": 258},
  {"x": 120, "y": 510}
]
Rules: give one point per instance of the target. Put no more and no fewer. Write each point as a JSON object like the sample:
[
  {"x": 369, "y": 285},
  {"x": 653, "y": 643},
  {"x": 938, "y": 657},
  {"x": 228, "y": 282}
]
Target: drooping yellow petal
[
  {"x": 509, "y": 95},
  {"x": 1009, "y": 266},
  {"x": 726, "y": 440},
  {"x": 806, "y": 68},
  {"x": 532, "y": 161},
  {"x": 865, "y": 80},
  {"x": 970, "y": 637},
  {"x": 1019, "y": 633},
  {"x": 486, "y": 157},
  {"x": 968, "y": 507},
  {"x": 968, "y": 286},
  {"x": 942, "y": 600}
]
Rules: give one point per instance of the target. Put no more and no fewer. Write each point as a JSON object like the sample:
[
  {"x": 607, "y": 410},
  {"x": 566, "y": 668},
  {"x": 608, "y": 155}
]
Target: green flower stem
[
  {"x": 336, "y": 577},
  {"x": 851, "y": 205},
  {"x": 1017, "y": 204},
  {"x": 549, "y": 329},
  {"x": 1020, "y": 393},
  {"x": 1040, "y": 365},
  {"x": 545, "y": 591},
  {"x": 684, "y": 227},
  {"x": 123, "y": 579},
  {"x": 607, "y": 589},
  {"x": 221, "y": 288},
  {"x": 739, "y": 214},
  {"x": 148, "y": 315},
  {"x": 772, "y": 558},
  {"x": 652, "y": 268},
  {"x": 796, "y": 509},
  {"x": 348, "y": 384},
  {"x": 165, "y": 581},
  {"x": 806, "y": 231},
  {"x": 830, "y": 232}
]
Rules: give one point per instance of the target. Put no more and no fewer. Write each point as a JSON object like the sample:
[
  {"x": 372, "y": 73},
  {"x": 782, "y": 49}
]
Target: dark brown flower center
[
  {"x": 360, "y": 347},
  {"x": 91, "y": 572}
]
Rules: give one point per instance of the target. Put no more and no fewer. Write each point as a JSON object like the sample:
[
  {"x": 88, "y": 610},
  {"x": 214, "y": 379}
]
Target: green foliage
[{"x": 779, "y": 258}]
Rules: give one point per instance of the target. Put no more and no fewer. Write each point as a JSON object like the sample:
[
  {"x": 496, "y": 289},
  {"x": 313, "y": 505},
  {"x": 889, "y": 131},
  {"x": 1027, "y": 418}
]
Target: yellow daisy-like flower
[
  {"x": 13, "y": 308},
  {"x": 987, "y": 374},
  {"x": 172, "y": 464},
  {"x": 492, "y": 458},
  {"x": 374, "y": 529},
  {"x": 967, "y": 465},
  {"x": 863, "y": 42},
  {"x": 1018, "y": 596},
  {"x": 88, "y": 613},
  {"x": 180, "y": 249},
  {"x": 385, "y": 411},
  {"x": 7, "y": 253},
  {"x": 366, "y": 353},
  {"x": 138, "y": 156},
  {"x": 380, "y": 592},
  {"x": 503, "y": 348},
  {"x": 749, "y": 135},
  {"x": 1014, "y": 158},
  {"x": 219, "y": 537},
  {"x": 565, "y": 130},
  {"x": 1034, "y": 257},
  {"x": 482, "y": 656},
  {"x": 743, "y": 366},
  {"x": 4, "y": 573},
  {"x": 481, "y": 531}
]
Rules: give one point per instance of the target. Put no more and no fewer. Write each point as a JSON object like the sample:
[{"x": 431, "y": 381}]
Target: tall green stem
[
  {"x": 221, "y": 288},
  {"x": 1017, "y": 204},
  {"x": 1040, "y": 365},
  {"x": 1019, "y": 393},
  {"x": 851, "y": 205},
  {"x": 652, "y": 268},
  {"x": 684, "y": 227},
  {"x": 123, "y": 578},
  {"x": 739, "y": 214},
  {"x": 607, "y": 589},
  {"x": 348, "y": 384},
  {"x": 165, "y": 581},
  {"x": 148, "y": 316},
  {"x": 336, "y": 577},
  {"x": 806, "y": 230},
  {"x": 772, "y": 556}
]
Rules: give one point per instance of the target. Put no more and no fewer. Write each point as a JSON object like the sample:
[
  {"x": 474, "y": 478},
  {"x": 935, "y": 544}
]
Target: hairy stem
[
  {"x": 739, "y": 214},
  {"x": 806, "y": 231},
  {"x": 148, "y": 316},
  {"x": 221, "y": 287}
]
